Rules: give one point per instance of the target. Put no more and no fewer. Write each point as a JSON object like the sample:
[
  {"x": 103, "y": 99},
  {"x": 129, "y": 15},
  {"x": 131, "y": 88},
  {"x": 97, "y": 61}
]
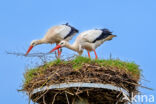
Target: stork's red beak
[
  {"x": 29, "y": 49},
  {"x": 57, "y": 47}
]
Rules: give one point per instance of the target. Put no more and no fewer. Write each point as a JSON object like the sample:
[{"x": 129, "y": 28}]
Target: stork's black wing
[
  {"x": 105, "y": 33},
  {"x": 72, "y": 31}
]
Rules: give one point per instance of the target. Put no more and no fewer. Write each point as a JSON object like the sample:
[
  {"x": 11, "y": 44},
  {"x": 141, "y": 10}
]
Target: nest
[{"x": 88, "y": 73}]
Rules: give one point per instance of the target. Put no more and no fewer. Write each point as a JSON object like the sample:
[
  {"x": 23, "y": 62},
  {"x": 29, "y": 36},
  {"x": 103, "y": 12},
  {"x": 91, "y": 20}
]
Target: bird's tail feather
[{"x": 110, "y": 37}]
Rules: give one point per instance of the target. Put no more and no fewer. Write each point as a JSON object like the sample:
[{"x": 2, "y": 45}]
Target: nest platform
[{"x": 82, "y": 81}]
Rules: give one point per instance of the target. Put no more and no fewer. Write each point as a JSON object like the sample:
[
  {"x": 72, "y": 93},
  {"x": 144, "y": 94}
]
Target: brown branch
[
  {"x": 44, "y": 99},
  {"x": 54, "y": 98},
  {"x": 40, "y": 96},
  {"x": 67, "y": 98}
]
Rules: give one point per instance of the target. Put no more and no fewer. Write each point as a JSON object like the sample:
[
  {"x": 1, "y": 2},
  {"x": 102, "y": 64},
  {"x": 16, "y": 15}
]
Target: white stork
[
  {"x": 55, "y": 35},
  {"x": 88, "y": 40}
]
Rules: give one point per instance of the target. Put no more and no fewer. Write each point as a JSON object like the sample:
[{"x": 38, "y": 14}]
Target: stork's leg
[
  {"x": 95, "y": 54},
  {"x": 57, "y": 53},
  {"x": 88, "y": 54},
  {"x": 60, "y": 51}
]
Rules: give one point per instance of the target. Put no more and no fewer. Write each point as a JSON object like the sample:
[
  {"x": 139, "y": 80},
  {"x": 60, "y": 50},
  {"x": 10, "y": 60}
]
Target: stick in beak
[
  {"x": 57, "y": 47},
  {"x": 29, "y": 50}
]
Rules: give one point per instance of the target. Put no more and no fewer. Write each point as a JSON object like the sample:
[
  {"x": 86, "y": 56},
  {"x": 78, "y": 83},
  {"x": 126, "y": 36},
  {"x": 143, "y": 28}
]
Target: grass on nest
[{"x": 77, "y": 64}]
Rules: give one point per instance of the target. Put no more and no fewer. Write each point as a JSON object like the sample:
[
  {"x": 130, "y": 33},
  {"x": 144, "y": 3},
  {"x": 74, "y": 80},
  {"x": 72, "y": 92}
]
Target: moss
[
  {"x": 30, "y": 74},
  {"x": 131, "y": 67}
]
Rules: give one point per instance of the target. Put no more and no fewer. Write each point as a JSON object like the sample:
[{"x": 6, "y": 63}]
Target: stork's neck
[
  {"x": 74, "y": 47},
  {"x": 41, "y": 41}
]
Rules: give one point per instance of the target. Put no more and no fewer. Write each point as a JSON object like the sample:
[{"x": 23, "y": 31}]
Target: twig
[
  {"x": 29, "y": 55},
  {"x": 44, "y": 99},
  {"x": 73, "y": 102},
  {"x": 87, "y": 93},
  {"x": 67, "y": 98},
  {"x": 40, "y": 96},
  {"x": 146, "y": 87},
  {"x": 69, "y": 93},
  {"x": 29, "y": 99},
  {"x": 49, "y": 78},
  {"x": 110, "y": 56},
  {"x": 54, "y": 98}
]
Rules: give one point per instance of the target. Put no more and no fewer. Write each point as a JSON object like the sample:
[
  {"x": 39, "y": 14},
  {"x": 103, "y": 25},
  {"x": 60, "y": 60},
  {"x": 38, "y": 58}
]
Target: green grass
[
  {"x": 77, "y": 64},
  {"x": 30, "y": 74},
  {"x": 129, "y": 66}
]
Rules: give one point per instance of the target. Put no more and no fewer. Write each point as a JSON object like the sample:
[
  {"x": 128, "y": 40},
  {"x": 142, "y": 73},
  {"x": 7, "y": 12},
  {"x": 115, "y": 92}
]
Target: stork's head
[
  {"x": 61, "y": 44},
  {"x": 32, "y": 44}
]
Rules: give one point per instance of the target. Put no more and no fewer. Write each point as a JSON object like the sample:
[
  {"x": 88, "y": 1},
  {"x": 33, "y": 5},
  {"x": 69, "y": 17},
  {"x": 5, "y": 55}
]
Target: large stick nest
[{"x": 88, "y": 73}]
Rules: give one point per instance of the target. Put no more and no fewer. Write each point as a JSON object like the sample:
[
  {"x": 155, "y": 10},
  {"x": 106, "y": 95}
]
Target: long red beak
[
  {"x": 29, "y": 49},
  {"x": 57, "y": 47}
]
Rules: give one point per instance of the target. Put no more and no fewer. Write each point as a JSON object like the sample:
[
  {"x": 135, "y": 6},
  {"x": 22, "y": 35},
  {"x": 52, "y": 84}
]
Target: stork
[
  {"x": 54, "y": 35},
  {"x": 88, "y": 40}
]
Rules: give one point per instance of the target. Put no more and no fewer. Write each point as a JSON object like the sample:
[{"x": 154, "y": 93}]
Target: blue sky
[{"x": 21, "y": 21}]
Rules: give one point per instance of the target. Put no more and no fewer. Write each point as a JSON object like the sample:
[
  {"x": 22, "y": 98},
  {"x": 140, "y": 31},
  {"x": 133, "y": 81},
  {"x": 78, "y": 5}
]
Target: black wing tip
[
  {"x": 106, "y": 31},
  {"x": 67, "y": 23},
  {"x": 76, "y": 30}
]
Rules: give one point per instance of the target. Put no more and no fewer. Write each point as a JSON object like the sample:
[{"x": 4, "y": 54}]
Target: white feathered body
[
  {"x": 91, "y": 39},
  {"x": 61, "y": 32}
]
